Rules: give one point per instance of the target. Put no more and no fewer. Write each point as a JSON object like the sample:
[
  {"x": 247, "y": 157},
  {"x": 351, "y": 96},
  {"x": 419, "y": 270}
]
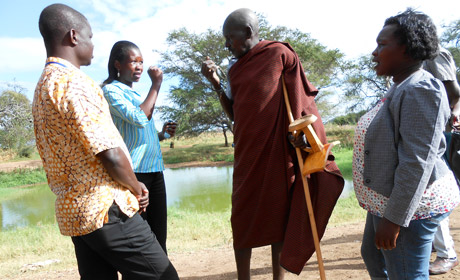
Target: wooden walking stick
[{"x": 315, "y": 161}]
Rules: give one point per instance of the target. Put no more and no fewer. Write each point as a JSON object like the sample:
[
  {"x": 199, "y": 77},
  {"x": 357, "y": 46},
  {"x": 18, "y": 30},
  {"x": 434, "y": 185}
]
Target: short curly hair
[{"x": 417, "y": 32}]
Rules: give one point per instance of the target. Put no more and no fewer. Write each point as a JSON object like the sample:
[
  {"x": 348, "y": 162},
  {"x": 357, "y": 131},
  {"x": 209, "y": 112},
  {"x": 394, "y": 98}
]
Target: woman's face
[
  {"x": 131, "y": 67},
  {"x": 389, "y": 56}
]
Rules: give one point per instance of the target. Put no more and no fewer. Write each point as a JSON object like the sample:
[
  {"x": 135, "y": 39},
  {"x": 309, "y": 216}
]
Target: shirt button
[
  {"x": 366, "y": 152},
  {"x": 368, "y": 181}
]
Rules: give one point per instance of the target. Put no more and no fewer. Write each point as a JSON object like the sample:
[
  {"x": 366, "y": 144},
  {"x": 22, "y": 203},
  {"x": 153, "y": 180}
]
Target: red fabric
[{"x": 268, "y": 201}]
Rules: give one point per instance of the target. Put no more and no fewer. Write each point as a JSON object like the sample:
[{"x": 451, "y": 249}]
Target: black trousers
[
  {"x": 124, "y": 244},
  {"x": 156, "y": 214}
]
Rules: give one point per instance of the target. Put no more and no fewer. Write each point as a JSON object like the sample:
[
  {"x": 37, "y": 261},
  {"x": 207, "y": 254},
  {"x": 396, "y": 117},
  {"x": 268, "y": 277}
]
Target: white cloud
[
  {"x": 350, "y": 26},
  {"x": 21, "y": 54}
]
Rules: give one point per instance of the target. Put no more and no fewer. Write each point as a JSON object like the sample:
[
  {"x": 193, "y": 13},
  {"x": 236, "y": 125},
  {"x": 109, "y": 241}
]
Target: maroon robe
[{"x": 268, "y": 201}]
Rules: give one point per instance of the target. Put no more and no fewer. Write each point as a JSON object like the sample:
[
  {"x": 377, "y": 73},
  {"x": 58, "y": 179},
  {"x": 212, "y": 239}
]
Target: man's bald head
[
  {"x": 243, "y": 18},
  {"x": 241, "y": 32},
  {"x": 57, "y": 20}
]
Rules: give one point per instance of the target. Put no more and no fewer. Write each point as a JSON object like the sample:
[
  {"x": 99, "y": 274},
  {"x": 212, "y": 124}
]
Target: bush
[
  {"x": 351, "y": 118},
  {"x": 7, "y": 154},
  {"x": 26, "y": 152},
  {"x": 343, "y": 133}
]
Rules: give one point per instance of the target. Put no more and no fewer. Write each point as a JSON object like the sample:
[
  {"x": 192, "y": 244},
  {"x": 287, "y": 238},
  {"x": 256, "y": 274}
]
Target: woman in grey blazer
[{"x": 399, "y": 176}]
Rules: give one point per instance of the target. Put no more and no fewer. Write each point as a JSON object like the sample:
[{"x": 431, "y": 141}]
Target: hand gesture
[
  {"x": 209, "y": 71},
  {"x": 170, "y": 128},
  {"x": 143, "y": 199},
  {"x": 155, "y": 74}
]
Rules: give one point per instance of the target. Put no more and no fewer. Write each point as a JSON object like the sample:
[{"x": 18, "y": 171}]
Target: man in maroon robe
[{"x": 268, "y": 200}]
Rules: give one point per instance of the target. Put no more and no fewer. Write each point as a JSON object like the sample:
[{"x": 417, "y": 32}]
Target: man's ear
[
  {"x": 73, "y": 37},
  {"x": 249, "y": 32}
]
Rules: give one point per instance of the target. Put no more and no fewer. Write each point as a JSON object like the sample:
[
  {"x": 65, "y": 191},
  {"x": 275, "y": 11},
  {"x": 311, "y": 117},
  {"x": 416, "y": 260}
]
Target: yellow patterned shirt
[{"x": 72, "y": 125}]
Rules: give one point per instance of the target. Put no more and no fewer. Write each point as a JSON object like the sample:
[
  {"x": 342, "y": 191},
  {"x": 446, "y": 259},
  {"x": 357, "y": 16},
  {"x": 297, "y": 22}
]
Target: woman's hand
[
  {"x": 155, "y": 74},
  {"x": 386, "y": 234},
  {"x": 170, "y": 128}
]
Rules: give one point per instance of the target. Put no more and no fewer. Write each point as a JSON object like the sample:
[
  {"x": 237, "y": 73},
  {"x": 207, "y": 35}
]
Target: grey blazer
[{"x": 405, "y": 142}]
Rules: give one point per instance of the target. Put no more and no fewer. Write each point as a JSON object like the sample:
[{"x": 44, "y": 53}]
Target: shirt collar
[
  {"x": 62, "y": 61},
  {"x": 125, "y": 87}
]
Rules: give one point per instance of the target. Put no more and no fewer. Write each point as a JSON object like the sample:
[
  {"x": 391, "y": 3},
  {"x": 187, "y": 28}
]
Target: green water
[{"x": 202, "y": 189}]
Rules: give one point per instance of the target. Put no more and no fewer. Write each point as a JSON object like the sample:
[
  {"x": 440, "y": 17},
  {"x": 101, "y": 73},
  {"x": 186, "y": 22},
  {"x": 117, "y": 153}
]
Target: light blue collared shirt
[{"x": 138, "y": 132}]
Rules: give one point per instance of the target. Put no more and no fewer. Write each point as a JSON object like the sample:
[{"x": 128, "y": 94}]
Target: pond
[{"x": 204, "y": 189}]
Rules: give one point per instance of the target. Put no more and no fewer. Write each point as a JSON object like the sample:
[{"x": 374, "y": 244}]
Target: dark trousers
[
  {"x": 156, "y": 214},
  {"x": 123, "y": 244}
]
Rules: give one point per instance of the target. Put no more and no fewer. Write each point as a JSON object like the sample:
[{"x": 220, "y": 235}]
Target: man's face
[
  {"x": 236, "y": 40},
  {"x": 85, "y": 46}
]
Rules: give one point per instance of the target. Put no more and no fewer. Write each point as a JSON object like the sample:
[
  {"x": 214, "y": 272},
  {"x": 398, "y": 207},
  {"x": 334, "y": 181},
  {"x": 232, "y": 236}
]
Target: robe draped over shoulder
[{"x": 268, "y": 201}]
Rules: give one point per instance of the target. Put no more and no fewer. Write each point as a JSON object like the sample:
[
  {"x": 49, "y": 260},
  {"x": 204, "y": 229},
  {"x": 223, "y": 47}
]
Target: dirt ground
[
  {"x": 10, "y": 166},
  {"x": 340, "y": 248}
]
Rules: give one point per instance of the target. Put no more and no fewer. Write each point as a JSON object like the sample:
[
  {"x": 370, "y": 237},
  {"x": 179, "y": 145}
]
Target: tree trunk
[{"x": 226, "y": 139}]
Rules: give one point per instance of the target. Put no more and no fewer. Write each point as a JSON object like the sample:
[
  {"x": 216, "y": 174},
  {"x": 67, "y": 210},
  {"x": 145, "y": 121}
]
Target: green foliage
[
  {"x": 342, "y": 133},
  {"x": 351, "y": 118},
  {"x": 344, "y": 158},
  {"x": 198, "y": 152},
  {"x": 204, "y": 147},
  {"x": 451, "y": 39},
  {"x": 195, "y": 105},
  {"x": 452, "y": 33},
  {"x": 21, "y": 177},
  {"x": 26, "y": 152},
  {"x": 319, "y": 63},
  {"x": 361, "y": 86},
  {"x": 16, "y": 123}
]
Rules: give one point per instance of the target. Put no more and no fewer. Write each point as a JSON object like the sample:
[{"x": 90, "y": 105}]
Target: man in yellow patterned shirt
[{"x": 87, "y": 163}]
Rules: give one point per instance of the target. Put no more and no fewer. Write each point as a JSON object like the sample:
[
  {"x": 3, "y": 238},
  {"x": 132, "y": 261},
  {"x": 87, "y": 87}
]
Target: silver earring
[{"x": 118, "y": 74}]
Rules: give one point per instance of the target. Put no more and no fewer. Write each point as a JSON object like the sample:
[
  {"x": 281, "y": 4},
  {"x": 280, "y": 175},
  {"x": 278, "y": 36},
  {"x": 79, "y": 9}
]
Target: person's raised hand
[
  {"x": 170, "y": 128},
  {"x": 386, "y": 234},
  {"x": 155, "y": 74},
  {"x": 209, "y": 71}
]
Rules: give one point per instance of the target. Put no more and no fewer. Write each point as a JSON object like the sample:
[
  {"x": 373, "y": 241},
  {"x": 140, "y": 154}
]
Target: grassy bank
[
  {"x": 16, "y": 183},
  {"x": 188, "y": 231},
  {"x": 205, "y": 147}
]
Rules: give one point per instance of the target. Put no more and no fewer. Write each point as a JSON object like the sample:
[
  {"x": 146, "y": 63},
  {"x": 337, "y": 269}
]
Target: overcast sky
[{"x": 350, "y": 26}]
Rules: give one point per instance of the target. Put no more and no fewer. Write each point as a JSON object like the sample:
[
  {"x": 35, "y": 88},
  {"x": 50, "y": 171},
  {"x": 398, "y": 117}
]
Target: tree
[
  {"x": 195, "y": 105},
  {"x": 451, "y": 39},
  {"x": 320, "y": 64},
  {"x": 361, "y": 86},
  {"x": 16, "y": 122}
]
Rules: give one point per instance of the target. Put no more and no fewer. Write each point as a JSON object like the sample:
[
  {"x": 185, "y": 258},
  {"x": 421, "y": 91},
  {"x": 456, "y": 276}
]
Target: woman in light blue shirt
[{"x": 134, "y": 119}]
